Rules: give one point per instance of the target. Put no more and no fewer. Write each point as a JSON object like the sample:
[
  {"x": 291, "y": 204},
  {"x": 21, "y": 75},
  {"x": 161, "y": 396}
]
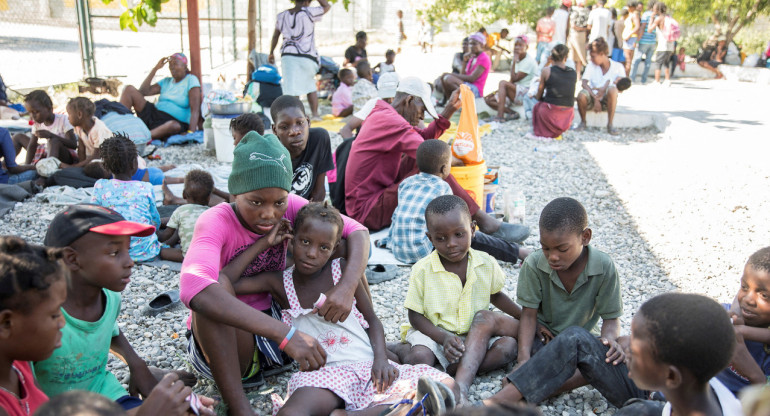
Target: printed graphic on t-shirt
[
  {"x": 270, "y": 260},
  {"x": 303, "y": 178}
]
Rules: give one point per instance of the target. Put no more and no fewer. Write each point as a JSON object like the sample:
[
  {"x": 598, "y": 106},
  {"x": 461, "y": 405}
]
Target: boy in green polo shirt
[{"x": 564, "y": 289}]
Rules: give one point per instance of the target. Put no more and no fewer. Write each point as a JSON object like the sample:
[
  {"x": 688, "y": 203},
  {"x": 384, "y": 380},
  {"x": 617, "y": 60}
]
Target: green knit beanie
[{"x": 260, "y": 162}]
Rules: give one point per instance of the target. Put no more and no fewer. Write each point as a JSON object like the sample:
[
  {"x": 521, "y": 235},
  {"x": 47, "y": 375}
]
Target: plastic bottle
[{"x": 519, "y": 208}]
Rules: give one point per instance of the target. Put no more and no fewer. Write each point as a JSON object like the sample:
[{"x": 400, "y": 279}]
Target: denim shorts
[{"x": 473, "y": 88}]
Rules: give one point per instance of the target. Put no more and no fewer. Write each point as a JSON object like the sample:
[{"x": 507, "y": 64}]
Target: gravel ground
[{"x": 542, "y": 170}]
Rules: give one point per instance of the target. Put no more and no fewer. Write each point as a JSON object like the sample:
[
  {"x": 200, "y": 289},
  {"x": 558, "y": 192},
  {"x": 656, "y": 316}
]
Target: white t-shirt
[
  {"x": 60, "y": 126},
  {"x": 561, "y": 18},
  {"x": 599, "y": 20},
  {"x": 727, "y": 401},
  {"x": 298, "y": 31},
  {"x": 367, "y": 108},
  {"x": 529, "y": 67},
  {"x": 597, "y": 79}
]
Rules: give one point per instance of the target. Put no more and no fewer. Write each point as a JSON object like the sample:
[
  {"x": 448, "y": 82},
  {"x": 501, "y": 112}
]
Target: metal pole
[
  {"x": 235, "y": 45},
  {"x": 211, "y": 45},
  {"x": 181, "y": 28},
  {"x": 222, "y": 27},
  {"x": 86, "y": 38}
]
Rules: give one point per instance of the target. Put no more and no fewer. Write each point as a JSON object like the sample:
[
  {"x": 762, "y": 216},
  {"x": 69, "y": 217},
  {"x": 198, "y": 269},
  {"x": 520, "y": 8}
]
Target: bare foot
[{"x": 168, "y": 196}]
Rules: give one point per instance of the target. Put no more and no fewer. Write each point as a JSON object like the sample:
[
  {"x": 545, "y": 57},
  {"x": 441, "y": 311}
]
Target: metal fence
[{"x": 47, "y": 42}]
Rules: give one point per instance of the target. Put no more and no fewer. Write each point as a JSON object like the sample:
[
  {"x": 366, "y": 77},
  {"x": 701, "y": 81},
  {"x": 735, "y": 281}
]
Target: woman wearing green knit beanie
[{"x": 235, "y": 337}]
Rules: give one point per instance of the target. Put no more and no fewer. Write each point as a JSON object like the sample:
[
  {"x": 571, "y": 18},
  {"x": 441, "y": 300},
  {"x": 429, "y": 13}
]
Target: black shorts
[{"x": 153, "y": 117}]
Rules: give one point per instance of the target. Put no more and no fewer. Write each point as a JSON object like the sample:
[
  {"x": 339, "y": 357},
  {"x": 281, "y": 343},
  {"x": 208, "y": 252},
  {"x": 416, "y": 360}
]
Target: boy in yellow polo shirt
[{"x": 449, "y": 295}]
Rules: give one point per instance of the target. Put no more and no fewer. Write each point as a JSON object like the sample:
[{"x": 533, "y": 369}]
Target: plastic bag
[
  {"x": 466, "y": 145},
  {"x": 48, "y": 166}
]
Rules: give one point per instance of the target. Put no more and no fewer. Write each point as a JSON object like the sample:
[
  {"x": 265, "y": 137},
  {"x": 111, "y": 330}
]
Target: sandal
[
  {"x": 439, "y": 396},
  {"x": 416, "y": 406},
  {"x": 379, "y": 273}
]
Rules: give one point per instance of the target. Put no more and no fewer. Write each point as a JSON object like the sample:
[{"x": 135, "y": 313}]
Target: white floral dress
[{"x": 349, "y": 356}]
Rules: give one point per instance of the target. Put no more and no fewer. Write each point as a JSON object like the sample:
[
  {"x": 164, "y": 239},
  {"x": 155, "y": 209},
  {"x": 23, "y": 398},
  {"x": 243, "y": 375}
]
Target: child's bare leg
[
  {"x": 168, "y": 197},
  {"x": 172, "y": 254},
  {"x": 58, "y": 149},
  {"x": 312, "y": 401},
  {"x": 477, "y": 357},
  {"x": 173, "y": 180},
  {"x": 412, "y": 355},
  {"x": 229, "y": 352}
]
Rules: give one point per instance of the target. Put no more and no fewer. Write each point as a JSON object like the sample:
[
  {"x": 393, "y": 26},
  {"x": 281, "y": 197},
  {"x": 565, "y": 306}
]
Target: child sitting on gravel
[
  {"x": 357, "y": 374},
  {"x": 342, "y": 100},
  {"x": 679, "y": 342},
  {"x": 310, "y": 149},
  {"x": 245, "y": 123},
  {"x": 750, "y": 313},
  {"x": 449, "y": 296},
  {"x": 234, "y": 338},
  {"x": 566, "y": 287},
  {"x": 90, "y": 131},
  {"x": 96, "y": 170},
  {"x": 95, "y": 245},
  {"x": 407, "y": 238},
  {"x": 198, "y": 185},
  {"x": 55, "y": 128},
  {"x": 134, "y": 199}
]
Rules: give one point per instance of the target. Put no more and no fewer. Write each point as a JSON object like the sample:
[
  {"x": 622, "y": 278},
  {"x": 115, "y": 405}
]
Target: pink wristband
[
  {"x": 320, "y": 302},
  {"x": 287, "y": 338}
]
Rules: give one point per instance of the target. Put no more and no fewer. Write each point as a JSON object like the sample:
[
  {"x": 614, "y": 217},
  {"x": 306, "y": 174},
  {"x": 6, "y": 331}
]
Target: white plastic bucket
[{"x": 223, "y": 139}]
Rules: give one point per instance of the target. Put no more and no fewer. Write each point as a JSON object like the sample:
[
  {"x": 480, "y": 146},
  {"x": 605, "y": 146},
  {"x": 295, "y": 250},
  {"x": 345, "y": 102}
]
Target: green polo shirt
[{"x": 596, "y": 293}]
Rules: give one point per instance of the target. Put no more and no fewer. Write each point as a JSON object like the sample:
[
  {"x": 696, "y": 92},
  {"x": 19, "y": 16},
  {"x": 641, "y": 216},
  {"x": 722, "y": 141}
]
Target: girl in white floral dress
[{"x": 357, "y": 375}]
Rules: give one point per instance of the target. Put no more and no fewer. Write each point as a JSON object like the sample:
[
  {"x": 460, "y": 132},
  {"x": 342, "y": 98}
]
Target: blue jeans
[
  {"x": 648, "y": 50},
  {"x": 574, "y": 349},
  {"x": 541, "y": 47},
  {"x": 29, "y": 175},
  {"x": 639, "y": 407}
]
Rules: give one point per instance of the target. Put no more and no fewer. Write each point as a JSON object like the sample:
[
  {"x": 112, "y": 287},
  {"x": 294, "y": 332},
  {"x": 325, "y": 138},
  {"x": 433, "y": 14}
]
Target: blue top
[
  {"x": 736, "y": 382},
  {"x": 647, "y": 38},
  {"x": 7, "y": 153},
  {"x": 407, "y": 239},
  {"x": 175, "y": 96}
]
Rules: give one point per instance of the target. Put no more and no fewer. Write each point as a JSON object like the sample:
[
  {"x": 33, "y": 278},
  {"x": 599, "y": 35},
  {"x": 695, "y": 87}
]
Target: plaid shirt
[{"x": 407, "y": 239}]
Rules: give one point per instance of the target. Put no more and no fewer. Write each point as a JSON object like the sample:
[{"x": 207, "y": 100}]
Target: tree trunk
[{"x": 252, "y": 27}]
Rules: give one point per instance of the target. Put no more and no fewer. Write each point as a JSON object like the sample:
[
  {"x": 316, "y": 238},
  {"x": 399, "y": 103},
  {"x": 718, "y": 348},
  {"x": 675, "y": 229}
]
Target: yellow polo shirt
[{"x": 440, "y": 296}]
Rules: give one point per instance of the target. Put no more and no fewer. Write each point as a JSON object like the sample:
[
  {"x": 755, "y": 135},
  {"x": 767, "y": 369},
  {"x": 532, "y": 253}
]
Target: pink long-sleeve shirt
[{"x": 219, "y": 237}]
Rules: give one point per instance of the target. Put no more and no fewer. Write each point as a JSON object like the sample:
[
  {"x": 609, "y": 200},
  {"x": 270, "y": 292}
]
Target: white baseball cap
[
  {"x": 414, "y": 86},
  {"x": 387, "y": 84}
]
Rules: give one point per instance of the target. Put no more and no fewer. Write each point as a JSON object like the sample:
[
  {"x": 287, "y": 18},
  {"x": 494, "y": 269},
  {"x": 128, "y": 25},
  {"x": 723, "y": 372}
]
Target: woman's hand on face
[
  {"x": 279, "y": 233},
  {"x": 163, "y": 61}
]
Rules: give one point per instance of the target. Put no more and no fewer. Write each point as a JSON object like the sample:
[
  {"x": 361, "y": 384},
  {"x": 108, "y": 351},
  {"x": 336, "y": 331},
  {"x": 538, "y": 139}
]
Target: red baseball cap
[
  {"x": 77, "y": 220},
  {"x": 567, "y": 3}
]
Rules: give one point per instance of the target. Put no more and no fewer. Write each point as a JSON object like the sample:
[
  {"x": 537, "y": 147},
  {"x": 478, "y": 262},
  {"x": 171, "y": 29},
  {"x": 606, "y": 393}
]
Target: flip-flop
[
  {"x": 435, "y": 402},
  {"x": 449, "y": 397},
  {"x": 379, "y": 273},
  {"x": 166, "y": 301}
]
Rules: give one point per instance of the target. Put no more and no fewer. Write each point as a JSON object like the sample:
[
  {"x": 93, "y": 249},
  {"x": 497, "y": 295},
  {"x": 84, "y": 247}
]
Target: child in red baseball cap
[{"x": 95, "y": 250}]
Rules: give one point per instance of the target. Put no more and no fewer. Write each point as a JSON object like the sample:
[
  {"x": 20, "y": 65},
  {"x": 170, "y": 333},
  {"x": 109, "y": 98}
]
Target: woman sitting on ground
[
  {"x": 179, "y": 103},
  {"x": 474, "y": 75},
  {"x": 458, "y": 64},
  {"x": 554, "y": 112}
]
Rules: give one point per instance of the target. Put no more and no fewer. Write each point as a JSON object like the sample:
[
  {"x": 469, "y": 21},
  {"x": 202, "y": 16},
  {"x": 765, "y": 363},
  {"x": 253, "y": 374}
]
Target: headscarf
[
  {"x": 180, "y": 56},
  {"x": 478, "y": 37}
]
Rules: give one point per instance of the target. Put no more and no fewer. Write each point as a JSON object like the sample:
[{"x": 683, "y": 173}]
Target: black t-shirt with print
[
  {"x": 316, "y": 159},
  {"x": 352, "y": 54}
]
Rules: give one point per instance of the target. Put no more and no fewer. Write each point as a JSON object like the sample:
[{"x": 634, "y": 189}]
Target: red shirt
[
  {"x": 31, "y": 396},
  {"x": 545, "y": 28},
  {"x": 376, "y": 155}
]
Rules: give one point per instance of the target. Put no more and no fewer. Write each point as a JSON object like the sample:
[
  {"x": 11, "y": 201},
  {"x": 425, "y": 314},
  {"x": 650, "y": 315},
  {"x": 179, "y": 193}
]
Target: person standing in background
[
  {"x": 645, "y": 47},
  {"x": 546, "y": 27},
  {"x": 401, "y": 34},
  {"x": 599, "y": 22},
  {"x": 561, "y": 20},
  {"x": 299, "y": 57},
  {"x": 578, "y": 20}
]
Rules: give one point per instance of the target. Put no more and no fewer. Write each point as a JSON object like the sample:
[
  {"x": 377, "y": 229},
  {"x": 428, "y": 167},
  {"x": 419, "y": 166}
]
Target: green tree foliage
[
  {"x": 471, "y": 14},
  {"x": 146, "y": 11},
  {"x": 730, "y": 16}
]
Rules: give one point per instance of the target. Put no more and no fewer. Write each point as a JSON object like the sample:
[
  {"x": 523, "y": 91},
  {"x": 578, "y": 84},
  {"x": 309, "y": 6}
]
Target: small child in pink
[
  {"x": 91, "y": 131},
  {"x": 357, "y": 374},
  {"x": 342, "y": 100}
]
